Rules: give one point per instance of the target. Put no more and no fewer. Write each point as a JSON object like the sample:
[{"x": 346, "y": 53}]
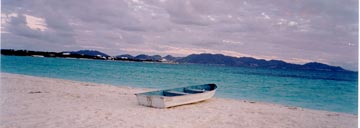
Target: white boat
[{"x": 177, "y": 96}]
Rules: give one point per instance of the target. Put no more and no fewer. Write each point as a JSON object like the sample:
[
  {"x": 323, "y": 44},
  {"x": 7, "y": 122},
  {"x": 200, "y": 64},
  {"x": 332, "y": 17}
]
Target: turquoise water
[{"x": 331, "y": 91}]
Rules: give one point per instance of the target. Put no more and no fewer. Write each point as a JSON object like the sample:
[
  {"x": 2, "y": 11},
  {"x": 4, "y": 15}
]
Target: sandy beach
[{"x": 36, "y": 102}]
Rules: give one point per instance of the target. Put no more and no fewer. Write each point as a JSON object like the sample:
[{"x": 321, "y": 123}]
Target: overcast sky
[{"x": 297, "y": 31}]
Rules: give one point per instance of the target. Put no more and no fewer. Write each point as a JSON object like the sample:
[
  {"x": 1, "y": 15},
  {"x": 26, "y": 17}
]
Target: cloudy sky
[{"x": 296, "y": 31}]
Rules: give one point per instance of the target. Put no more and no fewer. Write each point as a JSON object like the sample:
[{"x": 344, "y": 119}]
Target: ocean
[{"x": 321, "y": 90}]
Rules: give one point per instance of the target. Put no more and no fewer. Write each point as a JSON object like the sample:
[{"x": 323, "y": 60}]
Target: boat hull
[{"x": 150, "y": 99}]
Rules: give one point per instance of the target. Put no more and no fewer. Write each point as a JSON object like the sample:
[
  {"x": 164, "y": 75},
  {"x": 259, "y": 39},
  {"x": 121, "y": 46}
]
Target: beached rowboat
[{"x": 177, "y": 96}]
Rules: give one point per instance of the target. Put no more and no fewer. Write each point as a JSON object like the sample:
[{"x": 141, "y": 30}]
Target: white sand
[{"x": 35, "y": 102}]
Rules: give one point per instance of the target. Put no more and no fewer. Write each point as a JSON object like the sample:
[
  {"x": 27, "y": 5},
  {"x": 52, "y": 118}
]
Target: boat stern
[{"x": 151, "y": 101}]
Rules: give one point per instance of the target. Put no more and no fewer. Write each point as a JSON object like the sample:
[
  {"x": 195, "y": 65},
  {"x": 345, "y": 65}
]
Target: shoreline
[
  {"x": 150, "y": 89},
  {"x": 30, "y": 101}
]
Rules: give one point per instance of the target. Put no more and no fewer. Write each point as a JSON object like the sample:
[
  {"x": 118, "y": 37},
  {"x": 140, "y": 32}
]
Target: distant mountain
[
  {"x": 89, "y": 53},
  {"x": 320, "y": 66},
  {"x": 156, "y": 57},
  {"x": 125, "y": 56},
  {"x": 171, "y": 58},
  {"x": 205, "y": 58},
  {"x": 147, "y": 57},
  {"x": 219, "y": 59}
]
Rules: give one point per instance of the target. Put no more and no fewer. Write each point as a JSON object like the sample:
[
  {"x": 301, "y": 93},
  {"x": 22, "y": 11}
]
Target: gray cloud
[{"x": 297, "y": 31}]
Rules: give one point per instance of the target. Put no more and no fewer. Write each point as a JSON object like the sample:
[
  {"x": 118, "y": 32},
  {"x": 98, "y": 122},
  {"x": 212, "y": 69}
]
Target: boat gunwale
[{"x": 189, "y": 94}]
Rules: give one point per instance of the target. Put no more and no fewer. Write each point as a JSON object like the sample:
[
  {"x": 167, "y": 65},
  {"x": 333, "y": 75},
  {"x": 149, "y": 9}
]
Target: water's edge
[{"x": 239, "y": 100}]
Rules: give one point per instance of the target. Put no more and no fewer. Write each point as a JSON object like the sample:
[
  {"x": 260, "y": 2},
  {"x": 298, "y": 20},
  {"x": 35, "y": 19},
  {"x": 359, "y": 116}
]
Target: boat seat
[
  {"x": 192, "y": 90},
  {"x": 174, "y": 93}
]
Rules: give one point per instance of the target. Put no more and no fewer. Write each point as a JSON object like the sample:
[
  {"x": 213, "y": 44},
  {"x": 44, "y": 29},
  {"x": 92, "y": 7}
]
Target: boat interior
[{"x": 183, "y": 91}]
